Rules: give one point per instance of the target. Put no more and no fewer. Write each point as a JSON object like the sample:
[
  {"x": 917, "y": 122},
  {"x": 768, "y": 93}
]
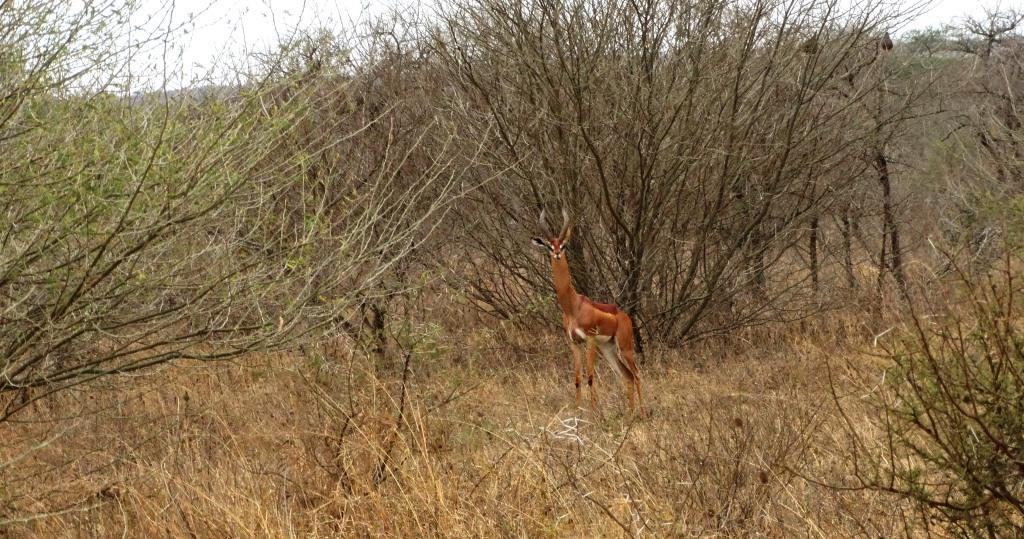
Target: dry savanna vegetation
[{"x": 300, "y": 298}]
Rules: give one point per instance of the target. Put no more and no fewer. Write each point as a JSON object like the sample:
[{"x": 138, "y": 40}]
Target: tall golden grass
[{"x": 743, "y": 439}]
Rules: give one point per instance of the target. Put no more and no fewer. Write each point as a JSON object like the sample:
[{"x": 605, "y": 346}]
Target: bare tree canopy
[{"x": 692, "y": 141}]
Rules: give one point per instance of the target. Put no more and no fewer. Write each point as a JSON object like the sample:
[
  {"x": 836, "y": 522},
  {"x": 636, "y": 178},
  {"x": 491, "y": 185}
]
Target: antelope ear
[
  {"x": 568, "y": 234},
  {"x": 541, "y": 243}
]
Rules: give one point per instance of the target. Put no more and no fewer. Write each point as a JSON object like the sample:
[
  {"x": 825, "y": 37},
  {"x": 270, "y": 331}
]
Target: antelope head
[{"x": 555, "y": 245}]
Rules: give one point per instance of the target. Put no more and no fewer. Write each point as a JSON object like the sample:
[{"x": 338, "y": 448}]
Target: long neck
[{"x": 563, "y": 285}]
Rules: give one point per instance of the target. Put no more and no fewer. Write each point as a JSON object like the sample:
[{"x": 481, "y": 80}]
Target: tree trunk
[
  {"x": 889, "y": 227},
  {"x": 851, "y": 279},
  {"x": 813, "y": 248},
  {"x": 373, "y": 318},
  {"x": 630, "y": 295},
  {"x": 757, "y": 260}
]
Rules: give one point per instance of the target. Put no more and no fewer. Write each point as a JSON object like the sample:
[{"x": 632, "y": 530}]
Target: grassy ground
[{"x": 488, "y": 443}]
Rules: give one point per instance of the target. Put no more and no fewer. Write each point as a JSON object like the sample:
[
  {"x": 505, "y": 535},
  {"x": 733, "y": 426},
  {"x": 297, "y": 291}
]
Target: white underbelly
[{"x": 599, "y": 338}]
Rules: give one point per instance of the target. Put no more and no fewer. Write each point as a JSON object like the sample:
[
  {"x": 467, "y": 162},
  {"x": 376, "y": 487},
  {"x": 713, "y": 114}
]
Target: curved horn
[
  {"x": 545, "y": 229},
  {"x": 565, "y": 223}
]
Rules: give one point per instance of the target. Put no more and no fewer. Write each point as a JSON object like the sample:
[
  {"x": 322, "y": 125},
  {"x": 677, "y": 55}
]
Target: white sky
[
  {"x": 945, "y": 11},
  {"x": 220, "y": 30}
]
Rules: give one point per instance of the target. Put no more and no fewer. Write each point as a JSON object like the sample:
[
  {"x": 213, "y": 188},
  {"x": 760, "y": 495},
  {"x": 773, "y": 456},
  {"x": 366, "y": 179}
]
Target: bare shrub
[
  {"x": 951, "y": 409},
  {"x": 137, "y": 231},
  {"x": 693, "y": 142},
  {"x": 980, "y": 164}
]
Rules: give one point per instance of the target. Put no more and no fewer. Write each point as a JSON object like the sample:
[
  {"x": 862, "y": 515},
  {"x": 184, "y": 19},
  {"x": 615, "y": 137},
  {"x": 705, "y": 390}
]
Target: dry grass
[{"x": 489, "y": 444}]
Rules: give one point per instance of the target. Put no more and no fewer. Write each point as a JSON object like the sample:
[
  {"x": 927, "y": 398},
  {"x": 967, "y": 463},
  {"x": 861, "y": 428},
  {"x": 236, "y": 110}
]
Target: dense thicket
[
  {"x": 698, "y": 146},
  {"x": 137, "y": 228},
  {"x": 726, "y": 164}
]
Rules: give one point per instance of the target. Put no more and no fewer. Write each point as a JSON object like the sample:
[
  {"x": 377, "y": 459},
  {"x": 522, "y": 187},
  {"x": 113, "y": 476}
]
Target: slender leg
[
  {"x": 634, "y": 378},
  {"x": 591, "y": 355},
  {"x": 624, "y": 340},
  {"x": 610, "y": 351},
  {"x": 577, "y": 362}
]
